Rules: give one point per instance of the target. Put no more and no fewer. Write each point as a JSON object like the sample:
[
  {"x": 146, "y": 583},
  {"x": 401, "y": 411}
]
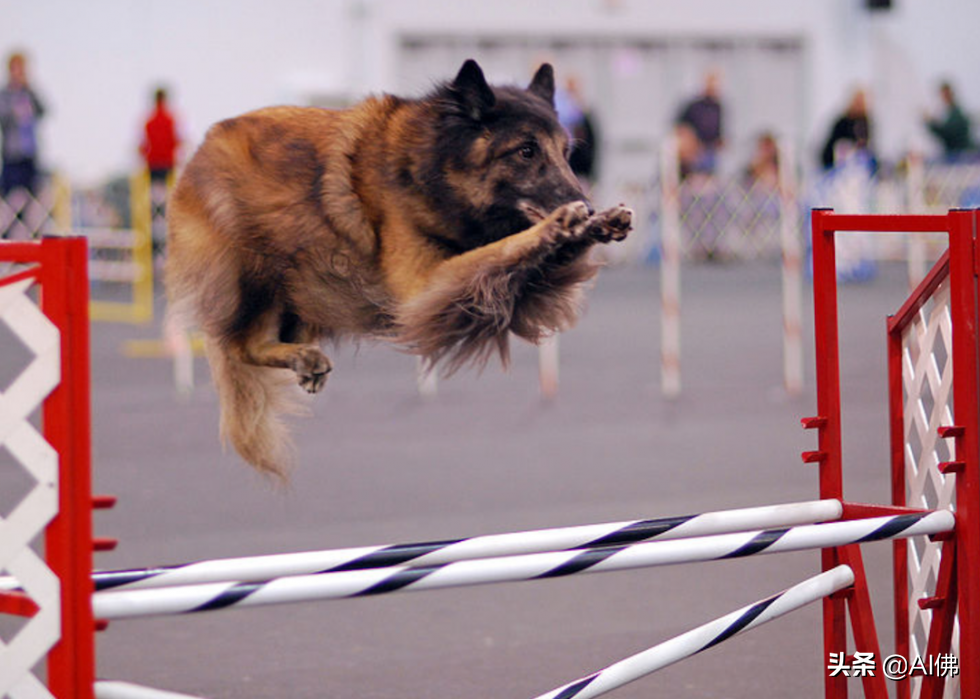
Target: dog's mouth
[{"x": 534, "y": 213}]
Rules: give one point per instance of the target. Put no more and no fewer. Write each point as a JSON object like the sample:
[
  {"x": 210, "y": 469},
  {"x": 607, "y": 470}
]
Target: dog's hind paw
[{"x": 312, "y": 367}]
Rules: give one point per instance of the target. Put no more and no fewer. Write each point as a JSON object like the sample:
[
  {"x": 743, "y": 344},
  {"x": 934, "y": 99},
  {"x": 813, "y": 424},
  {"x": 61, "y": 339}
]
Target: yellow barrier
[{"x": 137, "y": 270}]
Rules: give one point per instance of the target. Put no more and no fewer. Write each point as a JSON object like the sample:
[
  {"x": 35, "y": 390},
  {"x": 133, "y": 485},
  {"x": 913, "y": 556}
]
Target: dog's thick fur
[{"x": 442, "y": 224}]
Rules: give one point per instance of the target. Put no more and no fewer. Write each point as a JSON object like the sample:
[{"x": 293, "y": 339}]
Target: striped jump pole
[
  {"x": 706, "y": 636},
  {"x": 548, "y": 363},
  {"x": 258, "y": 568},
  {"x": 670, "y": 271},
  {"x": 791, "y": 272},
  {"x": 105, "y": 689},
  {"x": 112, "y": 604}
]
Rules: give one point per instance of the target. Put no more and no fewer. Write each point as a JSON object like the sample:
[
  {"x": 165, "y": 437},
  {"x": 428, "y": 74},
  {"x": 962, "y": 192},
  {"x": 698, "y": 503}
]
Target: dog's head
[{"x": 500, "y": 159}]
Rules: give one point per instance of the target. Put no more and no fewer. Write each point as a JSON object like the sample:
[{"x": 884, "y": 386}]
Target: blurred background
[
  {"x": 785, "y": 65},
  {"x": 789, "y": 80}
]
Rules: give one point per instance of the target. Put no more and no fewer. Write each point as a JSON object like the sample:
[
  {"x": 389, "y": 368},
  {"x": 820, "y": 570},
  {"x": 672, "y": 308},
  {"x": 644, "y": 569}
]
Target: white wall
[{"x": 96, "y": 61}]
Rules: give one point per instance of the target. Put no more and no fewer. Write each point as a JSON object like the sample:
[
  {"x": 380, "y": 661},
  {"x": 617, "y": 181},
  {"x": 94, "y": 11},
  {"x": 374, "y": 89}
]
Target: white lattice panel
[
  {"x": 730, "y": 219},
  {"x": 27, "y": 520},
  {"x": 927, "y": 378}
]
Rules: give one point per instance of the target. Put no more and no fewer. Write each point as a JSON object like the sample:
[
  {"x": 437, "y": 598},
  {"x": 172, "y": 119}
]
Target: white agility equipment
[
  {"x": 30, "y": 517},
  {"x": 259, "y": 568},
  {"x": 126, "y": 690},
  {"x": 110, "y": 605},
  {"x": 706, "y": 636},
  {"x": 717, "y": 217}
]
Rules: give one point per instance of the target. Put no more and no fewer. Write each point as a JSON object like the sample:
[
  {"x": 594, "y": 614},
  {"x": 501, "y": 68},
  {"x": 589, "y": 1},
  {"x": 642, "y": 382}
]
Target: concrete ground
[{"x": 378, "y": 464}]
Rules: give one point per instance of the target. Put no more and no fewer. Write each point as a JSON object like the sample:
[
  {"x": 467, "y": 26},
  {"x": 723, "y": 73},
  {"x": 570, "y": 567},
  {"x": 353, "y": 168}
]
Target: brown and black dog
[{"x": 441, "y": 224}]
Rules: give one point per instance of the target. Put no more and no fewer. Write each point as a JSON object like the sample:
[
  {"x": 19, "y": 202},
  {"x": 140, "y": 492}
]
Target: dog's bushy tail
[{"x": 253, "y": 401}]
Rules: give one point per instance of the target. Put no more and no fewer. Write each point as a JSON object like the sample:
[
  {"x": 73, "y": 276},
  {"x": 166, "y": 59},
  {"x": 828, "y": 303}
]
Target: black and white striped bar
[
  {"x": 258, "y": 568},
  {"x": 113, "y": 604},
  {"x": 704, "y": 637}
]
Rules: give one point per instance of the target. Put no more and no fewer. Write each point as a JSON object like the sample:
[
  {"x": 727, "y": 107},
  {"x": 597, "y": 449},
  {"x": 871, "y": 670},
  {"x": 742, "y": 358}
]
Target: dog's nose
[{"x": 591, "y": 208}]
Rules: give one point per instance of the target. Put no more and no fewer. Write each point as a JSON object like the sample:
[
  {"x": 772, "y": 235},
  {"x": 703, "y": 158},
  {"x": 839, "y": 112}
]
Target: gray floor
[{"x": 380, "y": 465}]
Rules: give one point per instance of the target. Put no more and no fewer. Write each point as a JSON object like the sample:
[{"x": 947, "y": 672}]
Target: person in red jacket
[
  {"x": 159, "y": 150},
  {"x": 160, "y": 140}
]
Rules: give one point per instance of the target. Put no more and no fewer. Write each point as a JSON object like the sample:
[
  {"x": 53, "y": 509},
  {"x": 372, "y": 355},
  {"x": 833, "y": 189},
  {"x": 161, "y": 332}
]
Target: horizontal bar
[
  {"x": 17, "y": 603},
  {"x": 29, "y": 273},
  {"x": 258, "y": 568},
  {"x": 887, "y": 223},
  {"x": 860, "y": 510},
  {"x": 705, "y": 636},
  {"x": 920, "y": 296},
  {"x": 125, "y": 690},
  {"x": 20, "y": 251},
  {"x": 103, "y": 238},
  {"x": 112, "y": 604}
]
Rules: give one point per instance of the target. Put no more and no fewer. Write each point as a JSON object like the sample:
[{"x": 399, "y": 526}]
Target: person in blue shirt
[{"x": 20, "y": 111}]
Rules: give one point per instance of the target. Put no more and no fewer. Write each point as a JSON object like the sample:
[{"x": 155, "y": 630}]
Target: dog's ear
[
  {"x": 472, "y": 91},
  {"x": 543, "y": 84}
]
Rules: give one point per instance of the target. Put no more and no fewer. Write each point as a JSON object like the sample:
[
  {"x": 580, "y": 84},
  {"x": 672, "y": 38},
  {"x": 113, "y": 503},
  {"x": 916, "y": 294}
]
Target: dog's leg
[
  {"x": 560, "y": 237},
  {"x": 550, "y": 297},
  {"x": 527, "y": 282},
  {"x": 300, "y": 353},
  {"x": 612, "y": 224}
]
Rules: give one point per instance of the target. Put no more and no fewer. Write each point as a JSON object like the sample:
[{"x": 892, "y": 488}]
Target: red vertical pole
[
  {"x": 963, "y": 301},
  {"x": 67, "y": 422},
  {"x": 829, "y": 429},
  {"x": 900, "y": 552}
]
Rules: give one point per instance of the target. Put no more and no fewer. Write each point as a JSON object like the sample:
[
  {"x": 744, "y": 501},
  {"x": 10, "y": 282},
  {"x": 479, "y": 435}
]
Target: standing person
[
  {"x": 20, "y": 110},
  {"x": 160, "y": 139},
  {"x": 580, "y": 124},
  {"x": 763, "y": 167},
  {"x": 953, "y": 128},
  {"x": 159, "y": 150},
  {"x": 852, "y": 129},
  {"x": 703, "y": 119}
]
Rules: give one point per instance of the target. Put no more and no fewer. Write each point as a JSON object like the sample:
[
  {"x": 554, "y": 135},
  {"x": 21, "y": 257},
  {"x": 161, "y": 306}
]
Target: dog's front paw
[
  {"x": 571, "y": 215},
  {"x": 311, "y": 366},
  {"x": 612, "y": 224},
  {"x": 565, "y": 223}
]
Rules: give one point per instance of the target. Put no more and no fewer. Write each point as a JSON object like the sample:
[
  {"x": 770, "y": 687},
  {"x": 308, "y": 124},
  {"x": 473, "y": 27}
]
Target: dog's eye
[{"x": 527, "y": 151}]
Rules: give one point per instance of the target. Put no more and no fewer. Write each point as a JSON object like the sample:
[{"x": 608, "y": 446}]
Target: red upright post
[
  {"x": 67, "y": 427},
  {"x": 963, "y": 301},
  {"x": 828, "y": 425},
  {"x": 900, "y": 553}
]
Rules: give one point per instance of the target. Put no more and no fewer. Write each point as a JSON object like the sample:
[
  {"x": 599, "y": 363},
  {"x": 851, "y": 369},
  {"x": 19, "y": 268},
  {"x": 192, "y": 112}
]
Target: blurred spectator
[
  {"x": 851, "y": 133},
  {"x": 160, "y": 139},
  {"x": 20, "y": 110},
  {"x": 953, "y": 128},
  {"x": 580, "y": 124},
  {"x": 159, "y": 149},
  {"x": 763, "y": 168},
  {"x": 702, "y": 119}
]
